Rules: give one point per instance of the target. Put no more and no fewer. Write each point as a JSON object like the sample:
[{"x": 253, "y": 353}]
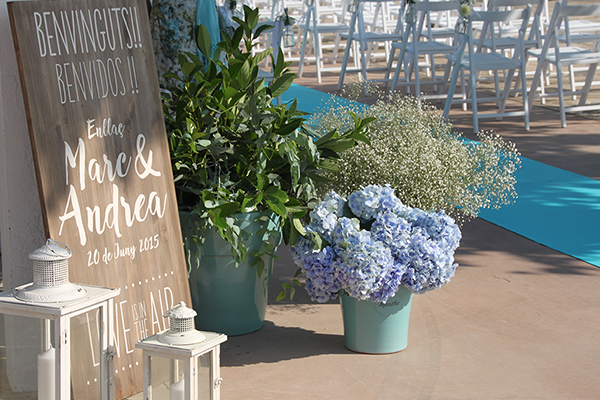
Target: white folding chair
[
  {"x": 579, "y": 31},
  {"x": 412, "y": 47},
  {"x": 358, "y": 34},
  {"x": 553, "y": 54},
  {"x": 315, "y": 27},
  {"x": 466, "y": 59},
  {"x": 505, "y": 35}
]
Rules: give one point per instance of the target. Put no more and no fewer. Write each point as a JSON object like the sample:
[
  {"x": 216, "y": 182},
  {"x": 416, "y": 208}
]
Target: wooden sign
[{"x": 96, "y": 123}]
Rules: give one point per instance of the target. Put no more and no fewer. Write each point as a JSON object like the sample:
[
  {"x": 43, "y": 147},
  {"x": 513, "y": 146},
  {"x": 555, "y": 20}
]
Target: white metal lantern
[
  {"x": 59, "y": 304},
  {"x": 191, "y": 357}
]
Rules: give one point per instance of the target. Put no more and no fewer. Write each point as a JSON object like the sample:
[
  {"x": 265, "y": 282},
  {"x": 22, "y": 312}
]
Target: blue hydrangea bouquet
[{"x": 371, "y": 243}]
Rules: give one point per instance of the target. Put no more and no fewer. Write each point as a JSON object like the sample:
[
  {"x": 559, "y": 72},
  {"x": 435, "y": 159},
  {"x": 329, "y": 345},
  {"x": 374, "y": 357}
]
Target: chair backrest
[
  {"x": 538, "y": 7},
  {"x": 314, "y": 14},
  {"x": 593, "y": 26},
  {"x": 424, "y": 8},
  {"x": 491, "y": 18},
  {"x": 562, "y": 13},
  {"x": 381, "y": 14}
]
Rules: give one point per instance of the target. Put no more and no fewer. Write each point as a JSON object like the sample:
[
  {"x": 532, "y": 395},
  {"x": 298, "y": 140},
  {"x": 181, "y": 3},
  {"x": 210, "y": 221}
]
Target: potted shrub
[{"x": 245, "y": 170}]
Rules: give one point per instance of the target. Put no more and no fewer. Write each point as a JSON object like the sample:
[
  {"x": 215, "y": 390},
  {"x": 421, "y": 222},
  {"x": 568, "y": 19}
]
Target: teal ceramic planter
[
  {"x": 377, "y": 328},
  {"x": 227, "y": 299}
]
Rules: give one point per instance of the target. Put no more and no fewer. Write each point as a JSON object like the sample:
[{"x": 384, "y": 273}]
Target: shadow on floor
[{"x": 273, "y": 344}]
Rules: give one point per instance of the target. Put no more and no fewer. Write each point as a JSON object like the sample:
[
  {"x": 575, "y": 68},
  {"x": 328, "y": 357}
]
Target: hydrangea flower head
[
  {"x": 372, "y": 200},
  {"x": 386, "y": 244},
  {"x": 325, "y": 215}
]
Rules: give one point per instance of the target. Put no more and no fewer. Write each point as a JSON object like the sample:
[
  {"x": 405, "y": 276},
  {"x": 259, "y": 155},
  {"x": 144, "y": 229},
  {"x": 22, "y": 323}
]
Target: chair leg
[
  {"x": 474, "y": 100},
  {"x": 398, "y": 68},
  {"x": 390, "y": 64},
  {"x": 345, "y": 62},
  {"x": 523, "y": 75},
  {"x": 537, "y": 81},
  {"x": 572, "y": 80},
  {"x": 417, "y": 76},
  {"x": 451, "y": 88},
  {"x": 447, "y": 71},
  {"x": 505, "y": 92},
  {"x": 363, "y": 61},
  {"x": 318, "y": 55},
  {"x": 302, "y": 53},
  {"x": 561, "y": 97},
  {"x": 336, "y": 46},
  {"x": 463, "y": 87},
  {"x": 588, "y": 84}
]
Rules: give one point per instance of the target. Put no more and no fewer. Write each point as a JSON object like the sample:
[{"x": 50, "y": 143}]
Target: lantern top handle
[{"x": 51, "y": 251}]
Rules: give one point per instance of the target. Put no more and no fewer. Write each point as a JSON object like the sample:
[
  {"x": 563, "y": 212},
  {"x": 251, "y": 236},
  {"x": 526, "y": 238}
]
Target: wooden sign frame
[{"x": 96, "y": 125}]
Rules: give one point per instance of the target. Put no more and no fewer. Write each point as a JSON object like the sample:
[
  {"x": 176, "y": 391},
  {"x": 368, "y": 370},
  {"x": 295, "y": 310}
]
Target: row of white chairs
[{"x": 510, "y": 33}]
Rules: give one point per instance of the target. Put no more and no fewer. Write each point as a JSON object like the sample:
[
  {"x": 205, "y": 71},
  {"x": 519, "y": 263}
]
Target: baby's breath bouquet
[
  {"x": 371, "y": 243},
  {"x": 415, "y": 151}
]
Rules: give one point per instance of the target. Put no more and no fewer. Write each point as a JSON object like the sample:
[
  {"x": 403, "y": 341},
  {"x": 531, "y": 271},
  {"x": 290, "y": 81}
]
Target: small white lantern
[
  {"x": 193, "y": 357},
  {"x": 55, "y": 301}
]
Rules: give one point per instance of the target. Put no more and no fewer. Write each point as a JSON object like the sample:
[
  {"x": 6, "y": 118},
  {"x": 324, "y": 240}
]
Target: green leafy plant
[
  {"x": 414, "y": 150},
  {"x": 234, "y": 150}
]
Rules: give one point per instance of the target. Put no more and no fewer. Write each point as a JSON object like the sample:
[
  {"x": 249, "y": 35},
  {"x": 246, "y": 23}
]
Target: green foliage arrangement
[
  {"x": 414, "y": 150},
  {"x": 234, "y": 150}
]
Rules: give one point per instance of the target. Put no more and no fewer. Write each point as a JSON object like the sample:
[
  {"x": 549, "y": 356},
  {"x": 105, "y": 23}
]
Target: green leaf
[
  {"x": 230, "y": 92},
  {"x": 317, "y": 240},
  {"x": 204, "y": 42},
  {"x": 261, "y": 181},
  {"x": 260, "y": 265},
  {"x": 275, "y": 193},
  {"x": 299, "y": 227},
  {"x": 237, "y": 37},
  {"x": 277, "y": 207},
  {"x": 339, "y": 145},
  {"x": 292, "y": 234},
  {"x": 286, "y": 129},
  {"x": 327, "y": 165},
  {"x": 326, "y": 138},
  {"x": 283, "y": 83},
  {"x": 251, "y": 16},
  {"x": 360, "y": 136},
  {"x": 258, "y": 57},
  {"x": 229, "y": 209},
  {"x": 260, "y": 29},
  {"x": 281, "y": 295},
  {"x": 244, "y": 75}
]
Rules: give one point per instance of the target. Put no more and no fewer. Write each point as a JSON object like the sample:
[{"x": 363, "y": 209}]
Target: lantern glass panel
[
  {"x": 161, "y": 377},
  {"x": 21, "y": 343},
  {"x": 27, "y": 366},
  {"x": 168, "y": 378},
  {"x": 204, "y": 381},
  {"x": 86, "y": 355}
]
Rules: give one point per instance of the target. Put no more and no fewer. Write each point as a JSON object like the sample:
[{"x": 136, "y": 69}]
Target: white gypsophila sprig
[{"x": 417, "y": 153}]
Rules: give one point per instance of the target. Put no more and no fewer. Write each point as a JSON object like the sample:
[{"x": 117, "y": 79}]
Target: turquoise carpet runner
[{"x": 556, "y": 208}]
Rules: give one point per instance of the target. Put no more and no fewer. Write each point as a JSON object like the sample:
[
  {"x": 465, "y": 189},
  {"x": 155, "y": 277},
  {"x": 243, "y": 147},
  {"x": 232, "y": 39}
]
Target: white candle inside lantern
[
  {"x": 178, "y": 390},
  {"x": 46, "y": 376}
]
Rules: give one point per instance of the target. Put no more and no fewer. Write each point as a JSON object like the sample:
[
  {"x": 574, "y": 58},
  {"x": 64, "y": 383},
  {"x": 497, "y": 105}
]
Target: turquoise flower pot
[
  {"x": 377, "y": 328},
  {"x": 227, "y": 299}
]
